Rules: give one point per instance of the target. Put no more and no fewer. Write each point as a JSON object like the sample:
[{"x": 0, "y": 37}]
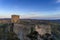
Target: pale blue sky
[{"x": 38, "y": 9}]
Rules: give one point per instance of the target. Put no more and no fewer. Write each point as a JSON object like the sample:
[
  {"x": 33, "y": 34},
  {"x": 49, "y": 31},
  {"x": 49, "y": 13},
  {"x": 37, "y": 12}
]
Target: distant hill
[
  {"x": 54, "y": 21},
  {"x": 5, "y": 18}
]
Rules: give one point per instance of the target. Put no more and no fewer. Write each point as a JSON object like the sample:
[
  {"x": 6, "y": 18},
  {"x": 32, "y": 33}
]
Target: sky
[{"x": 31, "y": 9}]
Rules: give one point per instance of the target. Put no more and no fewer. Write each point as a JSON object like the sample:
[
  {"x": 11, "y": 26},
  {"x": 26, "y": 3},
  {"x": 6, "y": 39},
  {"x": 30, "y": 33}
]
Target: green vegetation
[
  {"x": 33, "y": 34},
  {"x": 3, "y": 31},
  {"x": 3, "y": 25},
  {"x": 12, "y": 36},
  {"x": 5, "y": 34},
  {"x": 56, "y": 31}
]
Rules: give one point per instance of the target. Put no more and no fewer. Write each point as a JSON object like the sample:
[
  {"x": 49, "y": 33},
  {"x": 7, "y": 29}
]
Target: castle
[
  {"x": 13, "y": 19},
  {"x": 22, "y": 30}
]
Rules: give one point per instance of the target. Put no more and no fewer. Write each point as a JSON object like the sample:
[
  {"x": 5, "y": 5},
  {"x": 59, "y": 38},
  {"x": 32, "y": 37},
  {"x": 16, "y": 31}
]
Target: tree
[
  {"x": 12, "y": 36},
  {"x": 33, "y": 35}
]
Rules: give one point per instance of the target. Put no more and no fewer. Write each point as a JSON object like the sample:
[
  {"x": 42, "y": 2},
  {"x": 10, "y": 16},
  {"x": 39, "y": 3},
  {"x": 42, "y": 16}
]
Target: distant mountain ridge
[
  {"x": 5, "y": 18},
  {"x": 52, "y": 20}
]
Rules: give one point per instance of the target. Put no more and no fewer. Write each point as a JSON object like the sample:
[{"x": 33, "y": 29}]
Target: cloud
[
  {"x": 57, "y": 1},
  {"x": 37, "y": 15},
  {"x": 34, "y": 14},
  {"x": 42, "y": 15}
]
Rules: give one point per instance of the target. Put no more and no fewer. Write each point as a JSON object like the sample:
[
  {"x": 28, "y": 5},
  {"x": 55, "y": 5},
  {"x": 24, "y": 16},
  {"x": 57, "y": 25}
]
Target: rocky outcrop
[{"x": 22, "y": 30}]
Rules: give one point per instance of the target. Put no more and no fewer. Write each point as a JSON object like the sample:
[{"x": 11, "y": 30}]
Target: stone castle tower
[{"x": 15, "y": 19}]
